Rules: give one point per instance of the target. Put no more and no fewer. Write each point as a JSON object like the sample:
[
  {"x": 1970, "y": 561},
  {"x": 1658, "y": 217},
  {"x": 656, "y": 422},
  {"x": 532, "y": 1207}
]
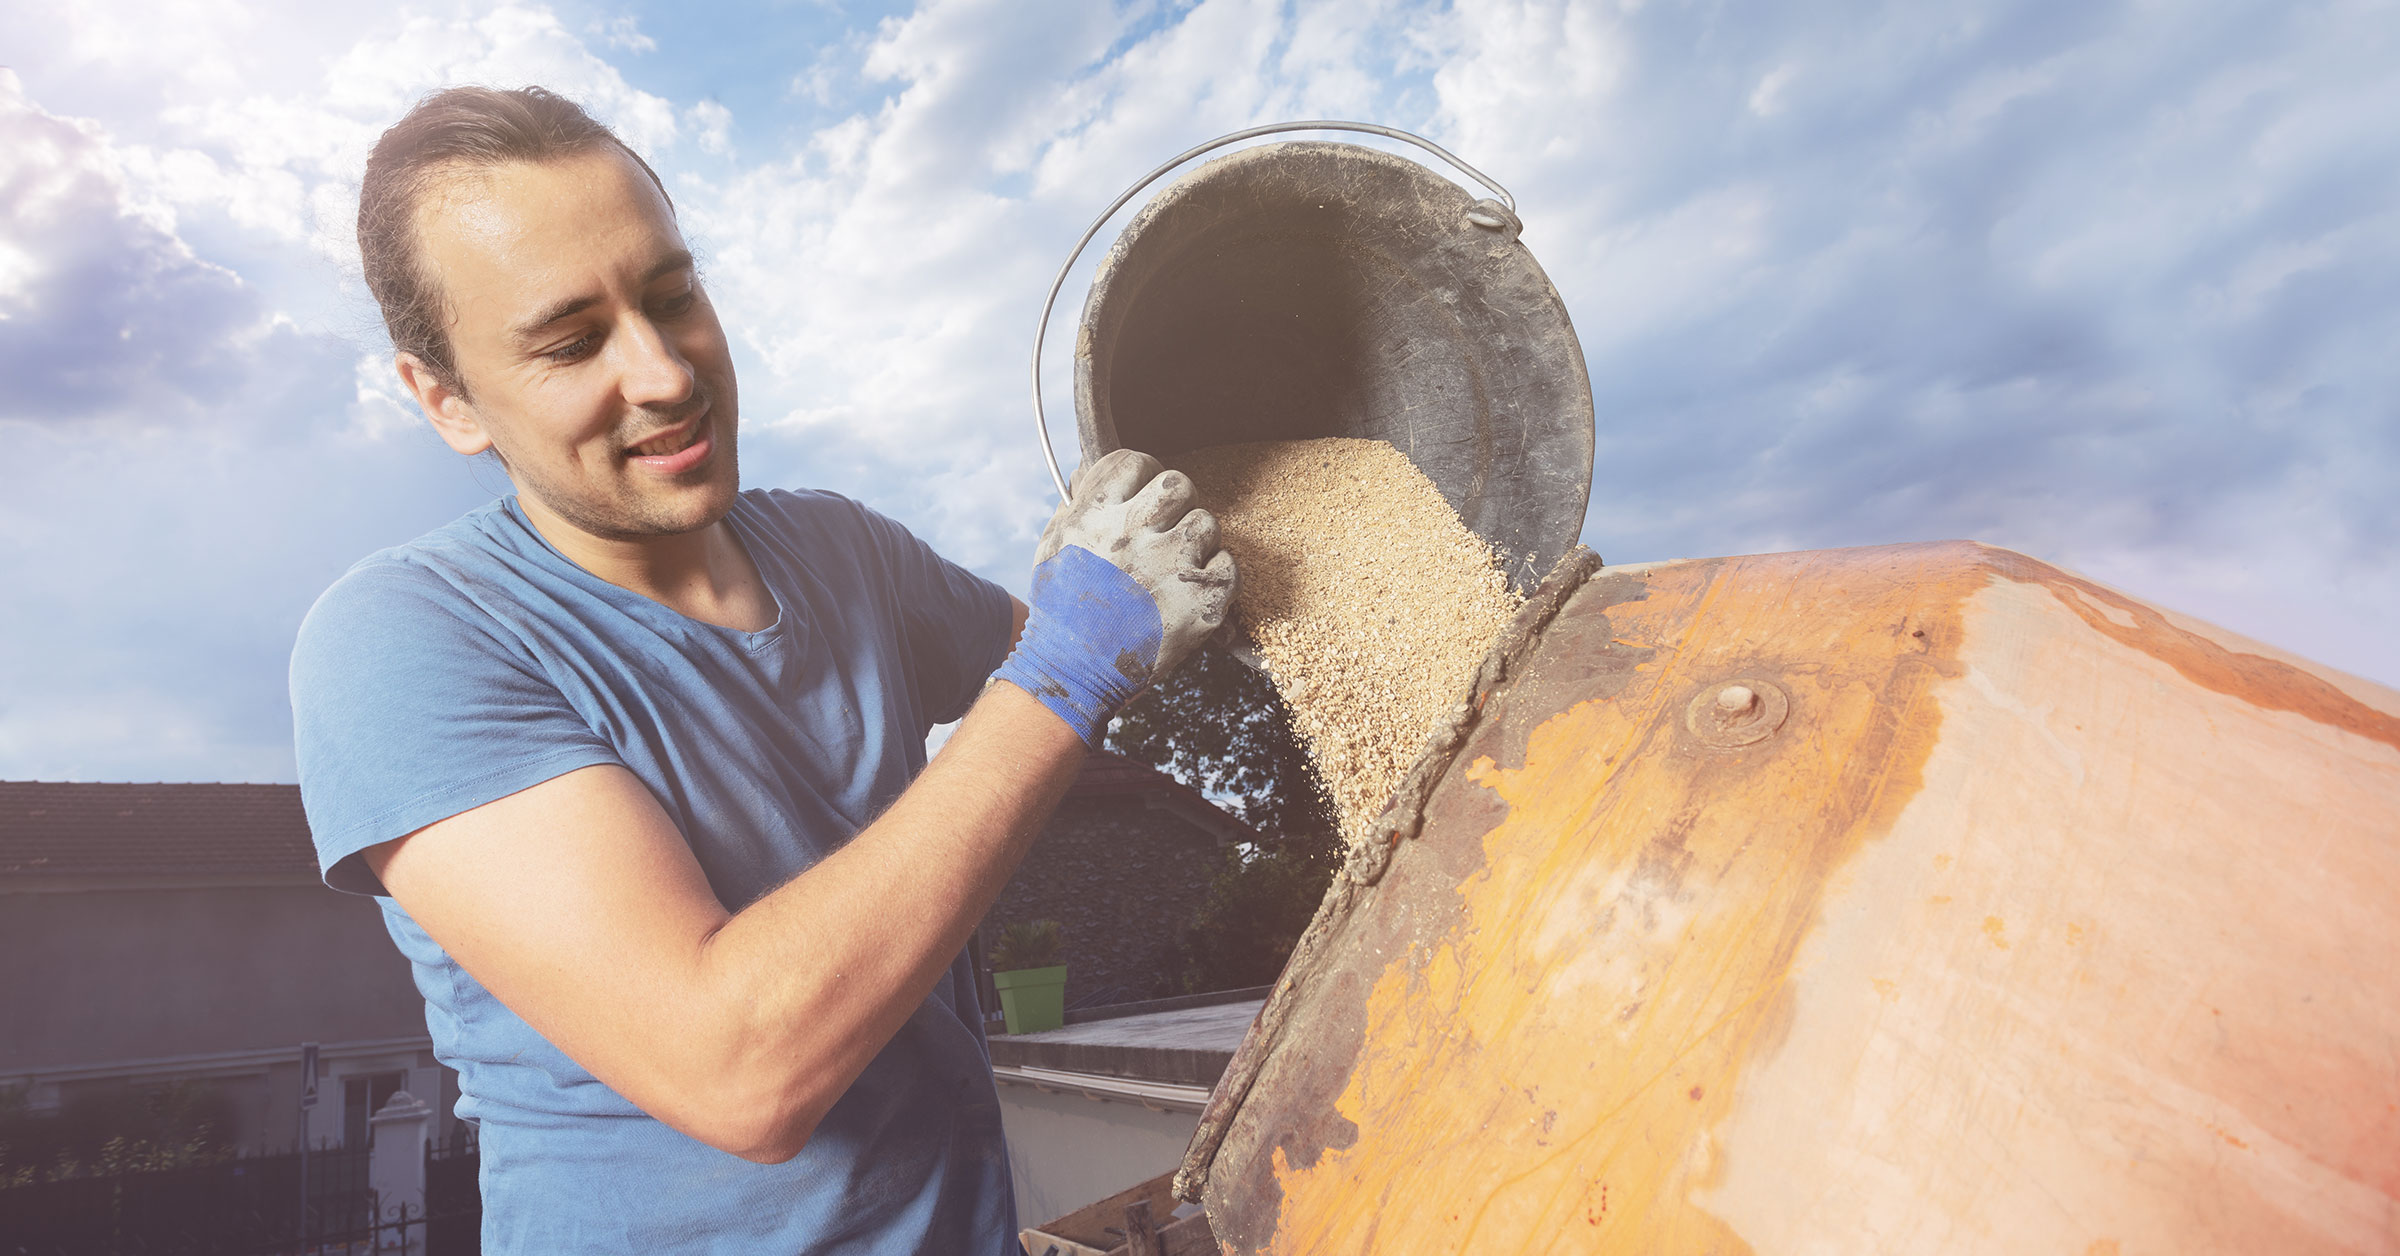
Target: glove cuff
[{"x": 1091, "y": 641}]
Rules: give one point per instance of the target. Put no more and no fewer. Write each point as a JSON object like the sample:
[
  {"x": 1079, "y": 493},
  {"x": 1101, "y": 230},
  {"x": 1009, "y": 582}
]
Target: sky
[{"x": 2114, "y": 284}]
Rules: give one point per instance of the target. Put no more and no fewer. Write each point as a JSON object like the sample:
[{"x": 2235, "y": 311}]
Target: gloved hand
[{"x": 1127, "y": 581}]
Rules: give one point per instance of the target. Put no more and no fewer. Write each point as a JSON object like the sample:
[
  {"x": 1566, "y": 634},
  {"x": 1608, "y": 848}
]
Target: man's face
[{"x": 591, "y": 359}]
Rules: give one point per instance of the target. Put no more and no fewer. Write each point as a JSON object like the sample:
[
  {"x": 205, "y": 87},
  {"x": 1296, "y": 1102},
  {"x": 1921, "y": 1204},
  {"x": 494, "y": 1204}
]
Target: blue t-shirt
[{"x": 477, "y": 661}]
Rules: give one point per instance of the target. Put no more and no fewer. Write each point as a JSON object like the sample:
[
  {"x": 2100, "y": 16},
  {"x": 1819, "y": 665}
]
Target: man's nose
[{"x": 654, "y": 374}]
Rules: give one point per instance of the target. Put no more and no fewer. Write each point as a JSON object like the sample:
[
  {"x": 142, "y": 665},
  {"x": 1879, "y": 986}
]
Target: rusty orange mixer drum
[{"x": 1924, "y": 898}]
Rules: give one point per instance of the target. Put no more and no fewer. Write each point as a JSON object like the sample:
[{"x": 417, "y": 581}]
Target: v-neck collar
[{"x": 650, "y": 608}]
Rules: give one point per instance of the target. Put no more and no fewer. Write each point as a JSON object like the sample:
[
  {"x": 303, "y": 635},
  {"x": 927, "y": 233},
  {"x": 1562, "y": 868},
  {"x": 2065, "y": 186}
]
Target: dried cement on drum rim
[{"x": 1368, "y": 600}]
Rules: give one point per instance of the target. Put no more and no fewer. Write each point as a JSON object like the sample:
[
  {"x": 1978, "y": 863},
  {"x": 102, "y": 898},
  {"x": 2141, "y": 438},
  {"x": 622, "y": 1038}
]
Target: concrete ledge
[
  {"x": 1113, "y": 1011},
  {"x": 210, "y": 1063},
  {"x": 1175, "y": 1003},
  {"x": 1176, "y": 1046},
  {"x": 1167, "y": 1065},
  {"x": 1156, "y": 1096}
]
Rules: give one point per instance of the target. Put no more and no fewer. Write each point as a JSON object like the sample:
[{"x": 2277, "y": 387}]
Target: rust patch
[
  {"x": 1313, "y": 1026},
  {"x": 2260, "y": 681},
  {"x": 1618, "y": 949}
]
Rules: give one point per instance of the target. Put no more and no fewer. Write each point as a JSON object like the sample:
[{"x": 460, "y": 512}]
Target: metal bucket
[{"x": 1308, "y": 289}]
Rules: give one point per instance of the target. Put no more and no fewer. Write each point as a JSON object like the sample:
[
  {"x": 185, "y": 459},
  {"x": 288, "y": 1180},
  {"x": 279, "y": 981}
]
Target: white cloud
[
  {"x": 107, "y": 310},
  {"x": 18, "y": 271},
  {"x": 382, "y": 407},
  {"x": 87, "y": 734},
  {"x": 625, "y": 32},
  {"x": 712, "y": 127},
  {"x": 1766, "y": 99},
  {"x": 2111, "y": 284},
  {"x": 887, "y": 274},
  {"x": 190, "y": 47},
  {"x": 509, "y": 46},
  {"x": 283, "y": 158},
  {"x": 156, "y": 579}
]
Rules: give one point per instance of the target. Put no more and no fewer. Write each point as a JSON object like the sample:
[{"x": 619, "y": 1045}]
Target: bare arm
[{"x": 579, "y": 905}]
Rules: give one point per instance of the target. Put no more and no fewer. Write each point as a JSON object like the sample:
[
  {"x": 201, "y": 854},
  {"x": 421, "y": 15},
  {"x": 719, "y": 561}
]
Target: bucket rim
[{"x": 1505, "y": 217}]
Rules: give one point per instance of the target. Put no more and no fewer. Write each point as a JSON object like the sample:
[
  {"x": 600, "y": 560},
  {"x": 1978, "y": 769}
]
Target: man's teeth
[{"x": 667, "y": 444}]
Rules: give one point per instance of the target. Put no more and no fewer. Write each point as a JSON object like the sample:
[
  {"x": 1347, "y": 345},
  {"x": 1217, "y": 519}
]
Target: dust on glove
[{"x": 1128, "y": 581}]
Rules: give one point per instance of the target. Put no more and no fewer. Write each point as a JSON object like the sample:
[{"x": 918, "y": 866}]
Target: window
[{"x": 363, "y": 1095}]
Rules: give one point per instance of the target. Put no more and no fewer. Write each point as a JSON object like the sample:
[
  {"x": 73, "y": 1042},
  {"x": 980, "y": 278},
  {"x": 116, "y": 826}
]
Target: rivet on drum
[{"x": 1742, "y": 711}]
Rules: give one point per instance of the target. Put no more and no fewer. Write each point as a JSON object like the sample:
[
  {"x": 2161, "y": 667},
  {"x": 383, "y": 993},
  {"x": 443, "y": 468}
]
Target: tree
[
  {"x": 1219, "y": 726},
  {"x": 112, "y": 1129}
]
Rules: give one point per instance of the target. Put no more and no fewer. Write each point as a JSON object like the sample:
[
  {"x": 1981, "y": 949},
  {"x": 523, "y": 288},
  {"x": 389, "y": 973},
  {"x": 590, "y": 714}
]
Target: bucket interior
[{"x": 1312, "y": 289}]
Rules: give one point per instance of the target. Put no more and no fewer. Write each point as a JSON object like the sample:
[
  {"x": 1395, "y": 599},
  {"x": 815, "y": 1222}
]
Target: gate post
[{"x": 396, "y": 1167}]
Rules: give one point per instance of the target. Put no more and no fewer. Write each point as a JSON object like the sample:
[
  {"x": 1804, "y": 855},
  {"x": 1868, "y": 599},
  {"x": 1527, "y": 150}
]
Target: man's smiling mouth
[{"x": 669, "y": 442}]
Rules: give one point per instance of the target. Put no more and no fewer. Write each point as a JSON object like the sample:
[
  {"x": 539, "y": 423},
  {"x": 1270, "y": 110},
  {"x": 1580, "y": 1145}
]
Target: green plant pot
[{"x": 1033, "y": 999}]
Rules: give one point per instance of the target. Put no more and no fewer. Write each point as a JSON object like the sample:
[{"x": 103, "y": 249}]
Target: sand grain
[{"x": 1370, "y": 602}]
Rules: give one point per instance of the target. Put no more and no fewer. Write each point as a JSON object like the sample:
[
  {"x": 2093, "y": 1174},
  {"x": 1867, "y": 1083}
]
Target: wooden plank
[
  {"x": 1141, "y": 1234},
  {"x": 1184, "y": 1236},
  {"x": 1037, "y": 1242},
  {"x": 1086, "y": 1231},
  {"x": 1188, "y": 1236}
]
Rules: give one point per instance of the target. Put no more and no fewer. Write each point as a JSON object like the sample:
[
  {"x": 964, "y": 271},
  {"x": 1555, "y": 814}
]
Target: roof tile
[
  {"x": 61, "y": 830},
  {"x": 53, "y": 829}
]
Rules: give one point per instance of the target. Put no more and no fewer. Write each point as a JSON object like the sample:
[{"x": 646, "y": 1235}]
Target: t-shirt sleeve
[
  {"x": 955, "y": 623},
  {"x": 410, "y": 705}
]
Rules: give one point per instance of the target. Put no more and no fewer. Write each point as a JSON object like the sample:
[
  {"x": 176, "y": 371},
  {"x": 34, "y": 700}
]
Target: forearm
[
  {"x": 579, "y": 904},
  {"x": 813, "y": 979}
]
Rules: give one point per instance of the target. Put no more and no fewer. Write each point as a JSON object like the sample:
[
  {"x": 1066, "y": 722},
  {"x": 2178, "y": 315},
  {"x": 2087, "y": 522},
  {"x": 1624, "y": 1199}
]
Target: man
[{"x": 628, "y": 754}]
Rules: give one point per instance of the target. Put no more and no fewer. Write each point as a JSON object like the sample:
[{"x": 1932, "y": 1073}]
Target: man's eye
[
  {"x": 679, "y": 304},
  {"x": 577, "y": 349}
]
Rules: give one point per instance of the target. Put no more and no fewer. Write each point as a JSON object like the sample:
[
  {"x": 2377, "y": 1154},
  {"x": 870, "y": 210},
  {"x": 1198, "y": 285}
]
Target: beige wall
[
  {"x": 101, "y": 975},
  {"x": 96, "y": 978}
]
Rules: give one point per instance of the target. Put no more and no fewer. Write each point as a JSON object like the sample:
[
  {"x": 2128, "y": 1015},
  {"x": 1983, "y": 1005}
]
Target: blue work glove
[{"x": 1127, "y": 582}]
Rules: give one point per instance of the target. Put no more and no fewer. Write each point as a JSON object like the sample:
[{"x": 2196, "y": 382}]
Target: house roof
[
  {"x": 52, "y": 830},
  {"x": 1109, "y": 775}
]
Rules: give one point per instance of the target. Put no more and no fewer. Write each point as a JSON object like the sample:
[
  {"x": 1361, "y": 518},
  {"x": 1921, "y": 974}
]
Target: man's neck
[{"x": 703, "y": 574}]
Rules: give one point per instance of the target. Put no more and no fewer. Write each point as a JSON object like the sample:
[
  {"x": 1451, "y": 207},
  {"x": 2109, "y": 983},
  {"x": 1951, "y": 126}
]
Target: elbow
[
  {"x": 762, "y": 1129},
  {"x": 750, "y": 1085},
  {"x": 769, "y": 1146}
]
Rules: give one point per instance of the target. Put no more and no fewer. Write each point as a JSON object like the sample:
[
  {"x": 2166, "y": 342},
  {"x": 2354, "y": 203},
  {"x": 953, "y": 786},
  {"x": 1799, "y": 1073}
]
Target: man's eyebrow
[
  {"x": 680, "y": 259},
  {"x": 531, "y": 329}
]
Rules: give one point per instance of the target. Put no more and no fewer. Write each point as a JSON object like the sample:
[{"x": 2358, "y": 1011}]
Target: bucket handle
[{"x": 1483, "y": 213}]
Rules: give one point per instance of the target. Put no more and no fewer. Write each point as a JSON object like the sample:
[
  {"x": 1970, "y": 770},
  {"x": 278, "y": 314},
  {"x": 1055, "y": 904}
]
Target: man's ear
[{"x": 454, "y": 418}]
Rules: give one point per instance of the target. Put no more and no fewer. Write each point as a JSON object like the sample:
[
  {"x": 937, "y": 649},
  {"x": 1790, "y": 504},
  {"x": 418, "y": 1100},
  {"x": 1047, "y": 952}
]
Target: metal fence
[
  {"x": 453, "y": 1223},
  {"x": 252, "y": 1206}
]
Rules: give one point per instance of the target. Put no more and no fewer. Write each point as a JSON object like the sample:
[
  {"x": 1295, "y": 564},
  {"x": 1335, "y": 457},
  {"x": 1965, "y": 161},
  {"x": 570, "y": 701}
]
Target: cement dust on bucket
[{"x": 1369, "y": 602}]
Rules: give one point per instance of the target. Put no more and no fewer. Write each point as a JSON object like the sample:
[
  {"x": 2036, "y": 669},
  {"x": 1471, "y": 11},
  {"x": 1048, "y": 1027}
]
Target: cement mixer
[
  {"x": 1922, "y": 898},
  {"x": 1925, "y": 898}
]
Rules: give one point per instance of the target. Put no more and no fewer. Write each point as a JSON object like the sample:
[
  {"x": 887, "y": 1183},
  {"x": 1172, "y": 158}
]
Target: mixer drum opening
[{"x": 1316, "y": 289}]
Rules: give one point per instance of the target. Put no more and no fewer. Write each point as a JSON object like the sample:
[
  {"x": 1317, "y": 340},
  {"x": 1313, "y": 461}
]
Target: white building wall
[{"x": 1068, "y": 1150}]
